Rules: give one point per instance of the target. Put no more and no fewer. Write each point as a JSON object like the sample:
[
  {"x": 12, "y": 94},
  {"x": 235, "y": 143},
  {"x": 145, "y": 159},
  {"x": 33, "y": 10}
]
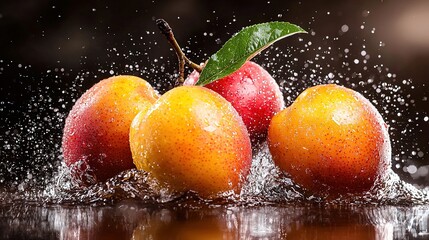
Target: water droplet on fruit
[{"x": 210, "y": 128}]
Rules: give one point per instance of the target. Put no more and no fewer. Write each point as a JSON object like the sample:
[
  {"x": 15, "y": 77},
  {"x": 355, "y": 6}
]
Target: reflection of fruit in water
[
  {"x": 331, "y": 140},
  {"x": 252, "y": 92},
  {"x": 88, "y": 223},
  {"x": 95, "y": 141},
  {"x": 209, "y": 230},
  {"x": 192, "y": 139},
  {"x": 337, "y": 232},
  {"x": 197, "y": 225},
  {"x": 188, "y": 230},
  {"x": 339, "y": 223}
]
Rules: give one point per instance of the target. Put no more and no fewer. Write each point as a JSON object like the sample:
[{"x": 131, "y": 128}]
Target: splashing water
[{"x": 266, "y": 184}]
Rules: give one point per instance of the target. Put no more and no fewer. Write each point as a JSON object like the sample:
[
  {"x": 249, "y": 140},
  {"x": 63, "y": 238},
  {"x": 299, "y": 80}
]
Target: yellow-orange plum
[
  {"x": 96, "y": 134},
  {"x": 192, "y": 139},
  {"x": 331, "y": 141}
]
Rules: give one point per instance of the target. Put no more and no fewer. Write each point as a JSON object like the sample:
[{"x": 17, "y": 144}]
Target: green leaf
[{"x": 244, "y": 46}]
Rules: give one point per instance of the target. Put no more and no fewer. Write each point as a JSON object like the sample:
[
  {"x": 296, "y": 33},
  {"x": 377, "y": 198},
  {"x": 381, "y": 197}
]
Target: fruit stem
[{"x": 168, "y": 32}]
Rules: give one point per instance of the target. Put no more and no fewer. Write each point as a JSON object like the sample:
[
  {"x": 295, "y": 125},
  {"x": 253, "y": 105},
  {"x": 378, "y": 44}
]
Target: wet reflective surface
[{"x": 129, "y": 220}]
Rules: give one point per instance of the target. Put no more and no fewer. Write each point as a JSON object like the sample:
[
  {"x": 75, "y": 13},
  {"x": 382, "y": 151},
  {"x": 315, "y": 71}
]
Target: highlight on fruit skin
[
  {"x": 95, "y": 142},
  {"x": 331, "y": 141},
  {"x": 192, "y": 139},
  {"x": 253, "y": 92}
]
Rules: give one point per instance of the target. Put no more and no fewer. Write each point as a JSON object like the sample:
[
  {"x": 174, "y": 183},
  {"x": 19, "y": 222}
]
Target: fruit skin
[
  {"x": 96, "y": 134},
  {"x": 254, "y": 94},
  {"x": 192, "y": 139},
  {"x": 331, "y": 141}
]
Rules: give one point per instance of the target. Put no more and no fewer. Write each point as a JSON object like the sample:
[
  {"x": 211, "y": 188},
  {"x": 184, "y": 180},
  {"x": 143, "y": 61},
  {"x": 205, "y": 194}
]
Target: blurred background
[{"x": 52, "y": 51}]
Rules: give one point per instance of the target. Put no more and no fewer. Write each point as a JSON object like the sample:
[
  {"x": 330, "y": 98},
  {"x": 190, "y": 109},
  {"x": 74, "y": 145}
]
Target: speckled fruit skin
[
  {"x": 192, "y": 139},
  {"x": 253, "y": 93},
  {"x": 331, "y": 141},
  {"x": 96, "y": 134}
]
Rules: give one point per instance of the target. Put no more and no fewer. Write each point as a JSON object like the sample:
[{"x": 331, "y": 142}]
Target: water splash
[{"x": 266, "y": 185}]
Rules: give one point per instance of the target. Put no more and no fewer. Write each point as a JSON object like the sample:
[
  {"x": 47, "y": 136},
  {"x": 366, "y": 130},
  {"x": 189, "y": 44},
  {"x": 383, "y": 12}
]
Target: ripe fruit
[
  {"x": 96, "y": 133},
  {"x": 331, "y": 141},
  {"x": 252, "y": 92},
  {"x": 192, "y": 139}
]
